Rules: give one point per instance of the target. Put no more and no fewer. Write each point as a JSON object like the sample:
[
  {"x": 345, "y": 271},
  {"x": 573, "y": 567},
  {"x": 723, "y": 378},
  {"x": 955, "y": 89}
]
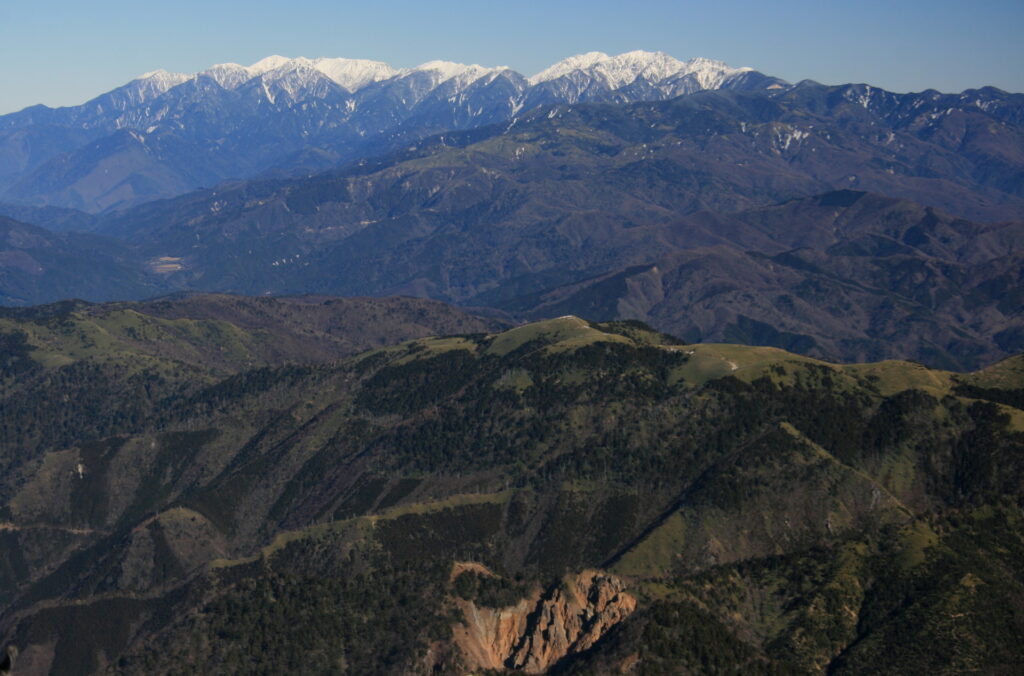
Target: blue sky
[{"x": 62, "y": 52}]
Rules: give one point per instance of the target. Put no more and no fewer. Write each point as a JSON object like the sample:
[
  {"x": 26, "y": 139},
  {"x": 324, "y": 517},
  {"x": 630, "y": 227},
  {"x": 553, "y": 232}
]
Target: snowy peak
[
  {"x": 156, "y": 82},
  {"x": 566, "y": 66},
  {"x": 229, "y": 75},
  {"x": 298, "y": 78},
  {"x": 269, "y": 63},
  {"x": 164, "y": 77},
  {"x": 354, "y": 74},
  {"x": 623, "y": 69},
  {"x": 461, "y": 73},
  {"x": 710, "y": 73},
  {"x": 146, "y": 87},
  {"x": 619, "y": 71}
]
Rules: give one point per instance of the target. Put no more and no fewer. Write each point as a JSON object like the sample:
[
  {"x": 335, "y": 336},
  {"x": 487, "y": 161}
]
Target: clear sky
[{"x": 63, "y": 52}]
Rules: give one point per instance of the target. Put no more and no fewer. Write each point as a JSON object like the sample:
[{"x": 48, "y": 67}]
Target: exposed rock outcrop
[
  {"x": 7, "y": 661},
  {"x": 541, "y": 629}
]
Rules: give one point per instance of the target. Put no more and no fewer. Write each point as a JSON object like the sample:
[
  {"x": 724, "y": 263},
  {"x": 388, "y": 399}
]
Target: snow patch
[{"x": 786, "y": 138}]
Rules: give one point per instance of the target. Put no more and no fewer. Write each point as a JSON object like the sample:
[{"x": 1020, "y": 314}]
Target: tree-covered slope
[
  {"x": 751, "y": 510},
  {"x": 73, "y": 371}
]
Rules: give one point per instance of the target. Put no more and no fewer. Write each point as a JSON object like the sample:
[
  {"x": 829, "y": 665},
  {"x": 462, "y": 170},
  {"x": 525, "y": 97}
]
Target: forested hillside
[{"x": 710, "y": 507}]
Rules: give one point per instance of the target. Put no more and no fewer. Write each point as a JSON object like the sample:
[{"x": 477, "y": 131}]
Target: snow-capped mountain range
[
  {"x": 166, "y": 133},
  {"x": 354, "y": 74},
  {"x": 654, "y": 67}
]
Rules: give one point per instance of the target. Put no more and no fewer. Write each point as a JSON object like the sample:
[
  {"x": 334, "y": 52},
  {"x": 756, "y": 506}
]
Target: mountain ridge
[{"x": 348, "y": 107}]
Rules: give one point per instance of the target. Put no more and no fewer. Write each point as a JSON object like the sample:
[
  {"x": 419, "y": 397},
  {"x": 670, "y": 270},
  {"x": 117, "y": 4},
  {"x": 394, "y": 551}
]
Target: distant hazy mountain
[
  {"x": 649, "y": 210},
  {"x": 570, "y": 209},
  {"x": 166, "y": 133},
  {"x": 57, "y": 219},
  {"x": 37, "y": 266},
  {"x": 847, "y": 275}
]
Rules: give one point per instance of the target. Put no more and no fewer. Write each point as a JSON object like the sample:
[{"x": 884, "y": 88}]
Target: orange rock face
[{"x": 534, "y": 634}]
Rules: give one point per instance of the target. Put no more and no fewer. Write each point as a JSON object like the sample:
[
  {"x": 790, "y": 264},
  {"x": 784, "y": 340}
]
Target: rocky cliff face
[{"x": 537, "y": 632}]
